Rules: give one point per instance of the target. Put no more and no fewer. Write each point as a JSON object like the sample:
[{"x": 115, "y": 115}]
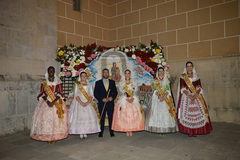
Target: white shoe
[
  {"x": 81, "y": 136},
  {"x": 85, "y": 136}
]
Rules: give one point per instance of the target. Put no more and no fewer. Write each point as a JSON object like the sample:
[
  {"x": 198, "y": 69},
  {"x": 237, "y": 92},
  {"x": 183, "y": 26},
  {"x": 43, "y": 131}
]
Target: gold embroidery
[
  {"x": 58, "y": 104},
  {"x": 84, "y": 92},
  {"x": 167, "y": 99}
]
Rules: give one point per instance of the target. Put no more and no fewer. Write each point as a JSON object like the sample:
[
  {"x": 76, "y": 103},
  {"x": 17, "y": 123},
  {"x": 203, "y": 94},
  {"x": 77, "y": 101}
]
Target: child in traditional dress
[
  {"x": 128, "y": 116},
  {"x": 83, "y": 118},
  {"x": 50, "y": 116}
]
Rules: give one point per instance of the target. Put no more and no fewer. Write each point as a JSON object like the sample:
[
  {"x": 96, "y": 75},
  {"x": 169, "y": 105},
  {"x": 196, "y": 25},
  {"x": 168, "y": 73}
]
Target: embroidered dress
[
  {"x": 128, "y": 116},
  {"x": 83, "y": 120},
  {"x": 159, "y": 119},
  {"x": 46, "y": 124},
  {"x": 192, "y": 116}
]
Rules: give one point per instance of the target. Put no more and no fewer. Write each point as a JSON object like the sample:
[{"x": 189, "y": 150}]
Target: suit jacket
[{"x": 100, "y": 91}]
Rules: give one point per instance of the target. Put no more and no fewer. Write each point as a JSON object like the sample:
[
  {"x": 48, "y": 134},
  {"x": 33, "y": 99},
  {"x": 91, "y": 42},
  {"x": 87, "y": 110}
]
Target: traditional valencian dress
[
  {"x": 193, "y": 115},
  {"x": 50, "y": 123},
  {"x": 161, "y": 116},
  {"x": 83, "y": 119},
  {"x": 127, "y": 116}
]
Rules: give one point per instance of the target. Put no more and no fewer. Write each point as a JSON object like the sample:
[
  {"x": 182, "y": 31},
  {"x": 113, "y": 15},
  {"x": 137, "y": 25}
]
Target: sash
[
  {"x": 167, "y": 99},
  {"x": 193, "y": 90},
  {"x": 85, "y": 94},
  {"x": 130, "y": 93},
  {"x": 58, "y": 104}
]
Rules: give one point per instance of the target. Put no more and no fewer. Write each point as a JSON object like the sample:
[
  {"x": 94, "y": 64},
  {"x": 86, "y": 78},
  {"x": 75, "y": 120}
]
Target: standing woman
[
  {"x": 50, "y": 116},
  {"x": 161, "y": 116},
  {"x": 83, "y": 118},
  {"x": 193, "y": 117},
  {"x": 127, "y": 115}
]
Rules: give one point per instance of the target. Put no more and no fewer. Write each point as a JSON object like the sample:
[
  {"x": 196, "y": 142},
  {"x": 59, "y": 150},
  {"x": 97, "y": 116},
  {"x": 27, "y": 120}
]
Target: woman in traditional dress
[
  {"x": 193, "y": 117},
  {"x": 83, "y": 118},
  {"x": 50, "y": 116},
  {"x": 161, "y": 116},
  {"x": 128, "y": 116}
]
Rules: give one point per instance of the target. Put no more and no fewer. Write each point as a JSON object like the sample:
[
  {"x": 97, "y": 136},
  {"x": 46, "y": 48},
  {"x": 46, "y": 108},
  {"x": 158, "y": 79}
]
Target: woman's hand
[
  {"x": 89, "y": 100},
  {"x": 185, "y": 92},
  {"x": 130, "y": 99},
  {"x": 161, "y": 98},
  {"x": 50, "y": 104}
]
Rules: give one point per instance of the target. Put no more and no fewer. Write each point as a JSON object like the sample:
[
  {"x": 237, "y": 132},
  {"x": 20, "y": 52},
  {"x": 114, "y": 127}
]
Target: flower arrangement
[
  {"x": 74, "y": 59},
  {"x": 149, "y": 57}
]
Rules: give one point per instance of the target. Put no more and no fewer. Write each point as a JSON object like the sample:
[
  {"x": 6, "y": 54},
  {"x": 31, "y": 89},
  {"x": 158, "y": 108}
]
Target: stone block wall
[
  {"x": 185, "y": 28},
  {"x": 28, "y": 41}
]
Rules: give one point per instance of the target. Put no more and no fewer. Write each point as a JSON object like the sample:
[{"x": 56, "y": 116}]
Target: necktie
[{"x": 106, "y": 84}]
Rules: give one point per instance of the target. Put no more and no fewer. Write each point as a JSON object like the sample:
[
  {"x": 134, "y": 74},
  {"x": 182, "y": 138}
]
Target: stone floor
[{"x": 222, "y": 144}]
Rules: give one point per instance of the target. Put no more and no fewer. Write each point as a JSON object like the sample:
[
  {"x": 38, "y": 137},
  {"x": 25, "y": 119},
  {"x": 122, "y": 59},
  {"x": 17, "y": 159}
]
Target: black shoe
[
  {"x": 112, "y": 135},
  {"x": 100, "y": 134}
]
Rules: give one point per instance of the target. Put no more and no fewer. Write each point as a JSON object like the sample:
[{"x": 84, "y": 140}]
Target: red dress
[{"x": 192, "y": 118}]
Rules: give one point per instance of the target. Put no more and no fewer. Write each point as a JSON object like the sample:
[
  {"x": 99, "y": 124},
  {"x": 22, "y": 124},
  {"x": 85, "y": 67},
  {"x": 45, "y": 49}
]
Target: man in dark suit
[{"x": 105, "y": 91}]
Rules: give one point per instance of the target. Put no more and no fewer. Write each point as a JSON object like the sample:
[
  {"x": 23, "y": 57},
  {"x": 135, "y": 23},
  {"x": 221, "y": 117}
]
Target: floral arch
[{"x": 144, "y": 60}]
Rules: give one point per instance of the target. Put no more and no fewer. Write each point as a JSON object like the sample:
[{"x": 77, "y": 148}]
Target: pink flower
[
  {"x": 64, "y": 69},
  {"x": 89, "y": 58},
  {"x": 93, "y": 55},
  {"x": 68, "y": 74},
  {"x": 80, "y": 70},
  {"x": 77, "y": 73},
  {"x": 138, "y": 59}
]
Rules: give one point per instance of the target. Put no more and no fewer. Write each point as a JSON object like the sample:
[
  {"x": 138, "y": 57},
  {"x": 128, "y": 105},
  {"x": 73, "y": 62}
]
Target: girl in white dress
[
  {"x": 83, "y": 118},
  {"x": 161, "y": 117}
]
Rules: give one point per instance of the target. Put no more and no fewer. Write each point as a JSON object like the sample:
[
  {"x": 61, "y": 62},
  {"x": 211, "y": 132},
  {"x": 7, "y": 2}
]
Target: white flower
[
  {"x": 134, "y": 56},
  {"x": 70, "y": 68},
  {"x": 133, "y": 49},
  {"x": 126, "y": 50},
  {"x": 61, "y": 74},
  {"x": 82, "y": 52},
  {"x": 74, "y": 72},
  {"x": 164, "y": 63},
  {"x": 82, "y": 59}
]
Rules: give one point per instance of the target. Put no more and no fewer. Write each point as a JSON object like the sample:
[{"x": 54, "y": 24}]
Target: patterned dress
[
  {"x": 46, "y": 126},
  {"x": 192, "y": 118}
]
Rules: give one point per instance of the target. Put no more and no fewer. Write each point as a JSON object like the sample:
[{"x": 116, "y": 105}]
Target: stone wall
[
  {"x": 27, "y": 47},
  {"x": 89, "y": 25},
  {"x": 185, "y": 28}
]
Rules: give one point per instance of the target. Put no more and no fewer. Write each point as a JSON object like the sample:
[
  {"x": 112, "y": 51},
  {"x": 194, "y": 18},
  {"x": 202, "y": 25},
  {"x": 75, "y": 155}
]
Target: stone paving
[{"x": 222, "y": 144}]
